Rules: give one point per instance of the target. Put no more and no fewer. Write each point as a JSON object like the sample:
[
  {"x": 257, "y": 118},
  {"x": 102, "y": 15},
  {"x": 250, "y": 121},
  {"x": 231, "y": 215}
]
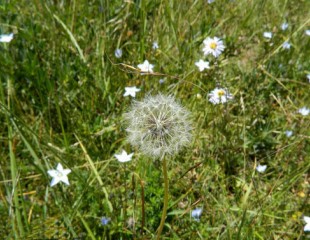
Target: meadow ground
[{"x": 243, "y": 175}]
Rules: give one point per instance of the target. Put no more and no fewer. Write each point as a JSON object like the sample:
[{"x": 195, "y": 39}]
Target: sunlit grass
[{"x": 62, "y": 101}]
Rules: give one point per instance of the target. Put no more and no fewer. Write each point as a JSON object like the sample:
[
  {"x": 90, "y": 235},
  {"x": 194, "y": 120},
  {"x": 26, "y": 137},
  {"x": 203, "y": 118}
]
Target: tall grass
[{"x": 62, "y": 101}]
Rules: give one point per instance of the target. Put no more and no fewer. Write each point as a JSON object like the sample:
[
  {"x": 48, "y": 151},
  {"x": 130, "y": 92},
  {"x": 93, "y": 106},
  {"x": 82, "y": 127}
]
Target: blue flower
[
  {"x": 105, "y": 221},
  {"x": 196, "y": 213},
  {"x": 118, "y": 53},
  {"x": 284, "y": 26},
  {"x": 288, "y": 133}
]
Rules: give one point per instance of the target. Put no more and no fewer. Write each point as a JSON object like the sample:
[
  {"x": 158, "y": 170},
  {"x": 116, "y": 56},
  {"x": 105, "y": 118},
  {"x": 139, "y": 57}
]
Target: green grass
[{"x": 61, "y": 100}]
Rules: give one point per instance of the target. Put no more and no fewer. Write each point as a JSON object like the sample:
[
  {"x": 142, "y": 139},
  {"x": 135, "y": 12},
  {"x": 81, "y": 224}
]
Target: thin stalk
[
  {"x": 142, "y": 207},
  {"x": 166, "y": 186},
  {"x": 13, "y": 167}
]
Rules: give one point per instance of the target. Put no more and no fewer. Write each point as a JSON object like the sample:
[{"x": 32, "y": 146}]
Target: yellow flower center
[
  {"x": 213, "y": 45},
  {"x": 221, "y": 93}
]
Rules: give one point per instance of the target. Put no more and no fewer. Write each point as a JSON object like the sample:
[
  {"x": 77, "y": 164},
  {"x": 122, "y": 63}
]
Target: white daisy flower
[
  {"x": 219, "y": 95},
  {"x": 59, "y": 175},
  {"x": 131, "y": 91},
  {"x": 286, "y": 45},
  {"x": 118, "y": 53},
  {"x": 155, "y": 45},
  {"x": 213, "y": 46},
  {"x": 288, "y": 133},
  {"x": 307, "y": 226},
  {"x": 196, "y": 213},
  {"x": 6, "y": 38},
  {"x": 308, "y": 76},
  {"x": 202, "y": 65},
  {"x": 267, "y": 35},
  {"x": 261, "y": 168},
  {"x": 284, "y": 26},
  {"x": 123, "y": 157},
  {"x": 146, "y": 66},
  {"x": 304, "y": 111},
  {"x": 307, "y": 32}
]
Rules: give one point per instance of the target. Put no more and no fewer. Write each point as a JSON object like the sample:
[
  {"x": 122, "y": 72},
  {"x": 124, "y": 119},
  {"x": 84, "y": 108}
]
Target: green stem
[
  {"x": 142, "y": 207},
  {"x": 13, "y": 166},
  {"x": 164, "y": 214}
]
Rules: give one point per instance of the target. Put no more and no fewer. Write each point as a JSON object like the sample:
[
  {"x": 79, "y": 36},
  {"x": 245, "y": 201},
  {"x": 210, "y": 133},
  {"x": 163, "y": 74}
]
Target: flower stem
[{"x": 166, "y": 186}]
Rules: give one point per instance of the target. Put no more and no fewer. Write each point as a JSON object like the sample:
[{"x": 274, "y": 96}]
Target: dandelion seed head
[{"x": 158, "y": 125}]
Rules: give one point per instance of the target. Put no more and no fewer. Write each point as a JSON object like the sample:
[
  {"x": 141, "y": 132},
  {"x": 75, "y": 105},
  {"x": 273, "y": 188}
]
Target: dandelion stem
[
  {"x": 143, "y": 207},
  {"x": 166, "y": 186}
]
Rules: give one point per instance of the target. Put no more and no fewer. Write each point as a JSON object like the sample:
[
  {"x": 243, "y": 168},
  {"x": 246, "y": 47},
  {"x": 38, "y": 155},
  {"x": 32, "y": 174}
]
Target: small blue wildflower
[
  {"x": 196, "y": 213},
  {"x": 118, "y": 53},
  {"x": 155, "y": 45},
  {"x": 286, "y": 45},
  {"x": 105, "y": 221},
  {"x": 284, "y": 26},
  {"x": 288, "y": 133}
]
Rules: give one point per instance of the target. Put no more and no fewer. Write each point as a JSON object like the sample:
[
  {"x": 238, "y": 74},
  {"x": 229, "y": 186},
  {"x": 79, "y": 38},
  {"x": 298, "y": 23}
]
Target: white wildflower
[
  {"x": 146, "y": 66},
  {"x": 123, "y": 157},
  {"x": 213, "y": 46},
  {"x": 307, "y": 226},
  {"x": 202, "y": 65},
  {"x": 267, "y": 35},
  {"x": 261, "y": 168},
  {"x": 6, "y": 38},
  {"x": 131, "y": 91},
  {"x": 219, "y": 95},
  {"x": 59, "y": 175},
  {"x": 304, "y": 111}
]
